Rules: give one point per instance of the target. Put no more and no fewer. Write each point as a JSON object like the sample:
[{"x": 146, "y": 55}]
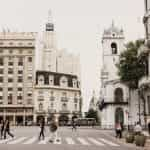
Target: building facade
[
  {"x": 144, "y": 83},
  {"x": 17, "y": 51},
  {"x": 113, "y": 93},
  {"x": 57, "y": 94}
]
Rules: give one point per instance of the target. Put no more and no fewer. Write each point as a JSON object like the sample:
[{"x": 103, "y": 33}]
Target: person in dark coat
[
  {"x": 2, "y": 128},
  {"x": 149, "y": 128},
  {"x": 42, "y": 128},
  {"x": 7, "y": 129}
]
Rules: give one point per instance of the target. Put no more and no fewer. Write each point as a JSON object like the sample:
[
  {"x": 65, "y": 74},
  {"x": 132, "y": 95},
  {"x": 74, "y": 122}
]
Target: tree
[
  {"x": 130, "y": 68},
  {"x": 92, "y": 114}
]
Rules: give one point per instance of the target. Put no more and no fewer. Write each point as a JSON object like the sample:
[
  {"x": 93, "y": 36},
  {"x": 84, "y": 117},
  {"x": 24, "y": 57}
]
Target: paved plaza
[{"x": 82, "y": 139}]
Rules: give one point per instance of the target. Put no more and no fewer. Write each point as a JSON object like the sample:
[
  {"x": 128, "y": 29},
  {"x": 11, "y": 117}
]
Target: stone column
[
  {"x": 24, "y": 117},
  {"x": 34, "y": 118},
  {"x": 14, "y": 119},
  {"x": 4, "y": 114}
]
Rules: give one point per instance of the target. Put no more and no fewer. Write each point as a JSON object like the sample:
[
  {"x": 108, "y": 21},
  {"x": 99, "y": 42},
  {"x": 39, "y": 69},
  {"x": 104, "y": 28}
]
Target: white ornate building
[
  {"x": 144, "y": 83},
  {"x": 114, "y": 93}
]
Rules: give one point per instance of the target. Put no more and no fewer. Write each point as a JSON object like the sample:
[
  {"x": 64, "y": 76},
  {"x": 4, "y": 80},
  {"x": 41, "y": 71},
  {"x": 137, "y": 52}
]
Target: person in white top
[{"x": 137, "y": 129}]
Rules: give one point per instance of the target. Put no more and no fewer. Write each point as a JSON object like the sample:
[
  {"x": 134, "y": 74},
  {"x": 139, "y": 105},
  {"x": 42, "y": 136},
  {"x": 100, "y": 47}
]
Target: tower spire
[
  {"x": 49, "y": 24},
  {"x": 50, "y": 19},
  {"x": 113, "y": 24}
]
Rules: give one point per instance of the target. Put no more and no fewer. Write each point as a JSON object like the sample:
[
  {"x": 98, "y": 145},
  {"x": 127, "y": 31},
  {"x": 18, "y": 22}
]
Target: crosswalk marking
[
  {"x": 70, "y": 140},
  {"x": 17, "y": 140},
  {"x": 44, "y": 141},
  {"x": 5, "y": 141},
  {"x": 95, "y": 142},
  {"x": 31, "y": 140},
  {"x": 108, "y": 142},
  {"x": 83, "y": 141}
]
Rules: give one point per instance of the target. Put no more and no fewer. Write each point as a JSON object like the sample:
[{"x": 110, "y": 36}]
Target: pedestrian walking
[
  {"x": 74, "y": 125},
  {"x": 7, "y": 129},
  {"x": 42, "y": 129},
  {"x": 2, "y": 129},
  {"x": 138, "y": 129},
  {"x": 53, "y": 130},
  {"x": 149, "y": 128},
  {"x": 118, "y": 130}
]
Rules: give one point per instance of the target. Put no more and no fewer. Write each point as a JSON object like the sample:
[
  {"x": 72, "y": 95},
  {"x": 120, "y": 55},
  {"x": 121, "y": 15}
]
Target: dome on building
[{"x": 113, "y": 32}]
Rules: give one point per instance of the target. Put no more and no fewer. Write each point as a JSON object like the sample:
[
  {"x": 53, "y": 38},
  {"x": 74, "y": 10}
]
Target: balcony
[
  {"x": 64, "y": 99},
  {"x": 64, "y": 112},
  {"x": 40, "y": 111},
  {"x": 52, "y": 98},
  {"x": 51, "y": 111},
  {"x": 144, "y": 81}
]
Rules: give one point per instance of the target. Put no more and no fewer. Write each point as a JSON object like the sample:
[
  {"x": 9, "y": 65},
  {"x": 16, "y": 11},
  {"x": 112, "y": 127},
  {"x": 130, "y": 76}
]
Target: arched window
[
  {"x": 40, "y": 107},
  {"x": 119, "y": 116},
  {"x": 41, "y": 80},
  {"x": 64, "y": 106},
  {"x": 118, "y": 95},
  {"x": 114, "y": 48},
  {"x": 63, "y": 81}
]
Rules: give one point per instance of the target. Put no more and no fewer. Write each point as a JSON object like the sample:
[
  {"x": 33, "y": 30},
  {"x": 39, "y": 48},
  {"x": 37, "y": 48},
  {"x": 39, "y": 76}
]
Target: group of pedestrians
[{"x": 5, "y": 129}]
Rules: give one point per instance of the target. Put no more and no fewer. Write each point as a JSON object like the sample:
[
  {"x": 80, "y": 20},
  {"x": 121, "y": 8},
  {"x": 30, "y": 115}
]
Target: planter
[
  {"x": 130, "y": 138},
  {"x": 140, "y": 140}
]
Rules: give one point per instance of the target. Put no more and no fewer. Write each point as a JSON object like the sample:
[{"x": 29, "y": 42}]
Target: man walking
[
  {"x": 7, "y": 129},
  {"x": 42, "y": 128},
  {"x": 74, "y": 127},
  {"x": 2, "y": 128}
]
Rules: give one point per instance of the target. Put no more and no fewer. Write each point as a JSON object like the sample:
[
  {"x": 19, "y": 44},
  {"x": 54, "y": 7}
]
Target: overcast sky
[{"x": 79, "y": 25}]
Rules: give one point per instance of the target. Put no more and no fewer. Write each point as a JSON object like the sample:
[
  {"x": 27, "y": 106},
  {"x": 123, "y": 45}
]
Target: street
[{"x": 82, "y": 139}]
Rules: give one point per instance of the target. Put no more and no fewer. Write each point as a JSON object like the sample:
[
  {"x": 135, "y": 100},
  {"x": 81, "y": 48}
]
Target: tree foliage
[
  {"x": 92, "y": 114},
  {"x": 130, "y": 67}
]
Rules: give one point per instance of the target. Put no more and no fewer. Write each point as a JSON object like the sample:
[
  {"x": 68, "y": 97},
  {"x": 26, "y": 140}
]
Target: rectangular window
[
  {"x": 20, "y": 63},
  {"x": 10, "y": 80},
  {"x": 10, "y": 71},
  {"x": 20, "y": 71},
  {"x": 148, "y": 104},
  {"x": 10, "y": 89},
  {"x": 10, "y": 63},
  {"x": 1, "y": 61},
  {"x": 19, "y": 89},
  {"x": 1, "y": 79},
  {"x": 29, "y": 59},
  {"x": 19, "y": 97},
  {"x": 1, "y": 71},
  {"x": 1, "y": 97},
  {"x": 1, "y": 89},
  {"x": 10, "y": 97},
  {"x": 20, "y": 79}
]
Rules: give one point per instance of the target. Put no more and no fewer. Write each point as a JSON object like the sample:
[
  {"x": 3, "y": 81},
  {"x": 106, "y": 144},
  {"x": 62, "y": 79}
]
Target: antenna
[{"x": 50, "y": 16}]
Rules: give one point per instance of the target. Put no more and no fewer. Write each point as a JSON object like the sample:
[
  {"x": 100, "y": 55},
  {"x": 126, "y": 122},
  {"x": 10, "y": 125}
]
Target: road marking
[
  {"x": 17, "y": 140},
  {"x": 70, "y": 140},
  {"x": 108, "y": 142},
  {"x": 31, "y": 140},
  {"x": 5, "y": 141},
  {"x": 95, "y": 142},
  {"x": 82, "y": 141},
  {"x": 44, "y": 141}
]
